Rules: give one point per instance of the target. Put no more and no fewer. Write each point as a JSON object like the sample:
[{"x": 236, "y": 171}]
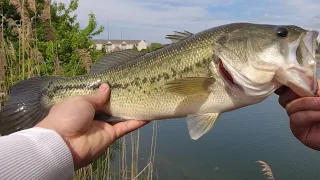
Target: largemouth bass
[{"x": 198, "y": 76}]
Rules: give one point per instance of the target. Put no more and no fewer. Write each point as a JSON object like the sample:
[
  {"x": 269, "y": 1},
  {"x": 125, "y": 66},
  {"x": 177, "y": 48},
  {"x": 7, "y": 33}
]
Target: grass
[
  {"x": 24, "y": 61},
  {"x": 318, "y": 58},
  {"x": 128, "y": 161},
  {"x": 266, "y": 169}
]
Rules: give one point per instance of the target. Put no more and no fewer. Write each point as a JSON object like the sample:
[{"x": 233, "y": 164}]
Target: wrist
[
  {"x": 46, "y": 147},
  {"x": 68, "y": 141},
  {"x": 75, "y": 151}
]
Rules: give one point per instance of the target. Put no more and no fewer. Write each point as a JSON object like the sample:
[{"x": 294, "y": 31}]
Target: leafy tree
[
  {"x": 135, "y": 47},
  {"x": 154, "y": 46},
  {"x": 74, "y": 46},
  {"x": 45, "y": 39}
]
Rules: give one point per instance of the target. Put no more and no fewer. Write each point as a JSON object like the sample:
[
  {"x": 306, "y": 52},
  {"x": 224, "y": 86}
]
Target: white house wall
[{"x": 141, "y": 45}]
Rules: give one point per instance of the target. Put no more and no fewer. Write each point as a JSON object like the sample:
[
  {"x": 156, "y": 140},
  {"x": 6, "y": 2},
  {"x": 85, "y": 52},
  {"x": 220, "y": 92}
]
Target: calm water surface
[{"x": 229, "y": 151}]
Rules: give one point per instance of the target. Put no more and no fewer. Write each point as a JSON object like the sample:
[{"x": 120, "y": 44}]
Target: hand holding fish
[
  {"x": 304, "y": 116},
  {"x": 198, "y": 76},
  {"x": 87, "y": 139}
]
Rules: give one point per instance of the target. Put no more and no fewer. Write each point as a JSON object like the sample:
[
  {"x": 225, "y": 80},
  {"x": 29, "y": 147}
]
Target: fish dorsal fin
[
  {"x": 115, "y": 59},
  {"x": 189, "y": 85},
  {"x": 200, "y": 124},
  {"x": 179, "y": 36}
]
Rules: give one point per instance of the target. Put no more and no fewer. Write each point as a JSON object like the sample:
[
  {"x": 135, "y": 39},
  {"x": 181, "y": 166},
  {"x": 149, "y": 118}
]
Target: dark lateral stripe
[{"x": 57, "y": 88}]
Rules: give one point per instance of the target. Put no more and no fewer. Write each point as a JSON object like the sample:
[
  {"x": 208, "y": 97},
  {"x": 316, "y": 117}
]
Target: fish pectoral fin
[
  {"x": 189, "y": 86},
  {"x": 200, "y": 124}
]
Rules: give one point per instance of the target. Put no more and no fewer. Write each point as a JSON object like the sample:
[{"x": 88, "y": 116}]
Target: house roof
[{"x": 104, "y": 41}]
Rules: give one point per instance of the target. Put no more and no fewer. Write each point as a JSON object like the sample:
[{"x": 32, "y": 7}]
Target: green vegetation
[
  {"x": 153, "y": 47},
  {"x": 40, "y": 38}
]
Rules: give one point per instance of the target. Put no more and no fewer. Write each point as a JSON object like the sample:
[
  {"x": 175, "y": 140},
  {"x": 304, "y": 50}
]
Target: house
[{"x": 115, "y": 45}]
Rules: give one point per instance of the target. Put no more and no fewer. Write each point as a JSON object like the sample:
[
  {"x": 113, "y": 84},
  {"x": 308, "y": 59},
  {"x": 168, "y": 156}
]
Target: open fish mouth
[
  {"x": 299, "y": 72},
  {"x": 237, "y": 81}
]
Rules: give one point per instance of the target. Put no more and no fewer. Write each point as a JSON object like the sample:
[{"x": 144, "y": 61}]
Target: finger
[
  {"x": 100, "y": 97},
  {"x": 303, "y": 104},
  {"x": 287, "y": 96},
  {"x": 297, "y": 131},
  {"x": 280, "y": 90},
  {"x": 107, "y": 128},
  {"x": 308, "y": 136},
  {"x": 318, "y": 90},
  {"x": 123, "y": 128},
  {"x": 305, "y": 118}
]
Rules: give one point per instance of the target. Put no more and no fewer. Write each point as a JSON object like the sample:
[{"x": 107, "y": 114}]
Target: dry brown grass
[
  {"x": 318, "y": 58},
  {"x": 32, "y": 5},
  {"x": 28, "y": 64},
  {"x": 266, "y": 169},
  {"x": 86, "y": 60},
  {"x": 2, "y": 92},
  {"x": 3, "y": 61},
  {"x": 24, "y": 61},
  {"x": 126, "y": 170}
]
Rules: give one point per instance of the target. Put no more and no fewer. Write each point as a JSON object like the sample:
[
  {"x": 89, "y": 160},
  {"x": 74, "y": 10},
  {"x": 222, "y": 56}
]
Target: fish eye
[{"x": 281, "y": 32}]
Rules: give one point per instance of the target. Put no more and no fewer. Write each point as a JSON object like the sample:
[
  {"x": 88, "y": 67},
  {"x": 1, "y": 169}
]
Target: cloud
[{"x": 152, "y": 20}]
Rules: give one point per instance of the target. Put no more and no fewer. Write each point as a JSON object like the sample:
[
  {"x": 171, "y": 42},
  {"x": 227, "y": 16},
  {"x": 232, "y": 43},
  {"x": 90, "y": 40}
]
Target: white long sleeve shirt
[{"x": 34, "y": 154}]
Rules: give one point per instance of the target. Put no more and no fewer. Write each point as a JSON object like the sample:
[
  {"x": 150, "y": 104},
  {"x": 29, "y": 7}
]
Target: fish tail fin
[{"x": 25, "y": 107}]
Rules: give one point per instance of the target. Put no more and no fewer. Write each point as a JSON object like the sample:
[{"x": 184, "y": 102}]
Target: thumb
[{"x": 100, "y": 97}]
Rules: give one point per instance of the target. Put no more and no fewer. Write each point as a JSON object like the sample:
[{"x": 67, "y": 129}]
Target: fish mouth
[
  {"x": 226, "y": 76},
  {"x": 299, "y": 71},
  {"x": 238, "y": 82}
]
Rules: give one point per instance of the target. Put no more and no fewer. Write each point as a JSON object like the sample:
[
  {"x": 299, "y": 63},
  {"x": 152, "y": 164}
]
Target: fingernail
[{"x": 103, "y": 87}]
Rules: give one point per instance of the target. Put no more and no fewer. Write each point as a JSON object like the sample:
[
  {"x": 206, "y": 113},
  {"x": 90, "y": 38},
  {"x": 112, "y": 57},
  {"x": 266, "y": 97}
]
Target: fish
[{"x": 198, "y": 76}]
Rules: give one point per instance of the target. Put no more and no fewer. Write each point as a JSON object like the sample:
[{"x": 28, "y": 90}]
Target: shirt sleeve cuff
[{"x": 43, "y": 152}]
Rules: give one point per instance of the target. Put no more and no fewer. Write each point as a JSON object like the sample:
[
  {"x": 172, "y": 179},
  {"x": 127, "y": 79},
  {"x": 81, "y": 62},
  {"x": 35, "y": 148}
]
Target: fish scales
[
  {"x": 143, "y": 81},
  {"x": 198, "y": 76}
]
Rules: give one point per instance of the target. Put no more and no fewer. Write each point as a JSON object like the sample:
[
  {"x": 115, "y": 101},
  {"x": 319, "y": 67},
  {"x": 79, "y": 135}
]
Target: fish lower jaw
[
  {"x": 302, "y": 80},
  {"x": 307, "y": 70}
]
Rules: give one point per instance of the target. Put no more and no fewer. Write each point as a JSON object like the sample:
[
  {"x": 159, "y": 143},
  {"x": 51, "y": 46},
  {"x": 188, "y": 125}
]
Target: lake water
[{"x": 229, "y": 151}]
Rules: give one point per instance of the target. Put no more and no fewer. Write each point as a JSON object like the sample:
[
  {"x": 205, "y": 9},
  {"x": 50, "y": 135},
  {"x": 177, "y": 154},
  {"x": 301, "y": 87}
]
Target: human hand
[
  {"x": 304, "y": 114},
  {"x": 86, "y": 138}
]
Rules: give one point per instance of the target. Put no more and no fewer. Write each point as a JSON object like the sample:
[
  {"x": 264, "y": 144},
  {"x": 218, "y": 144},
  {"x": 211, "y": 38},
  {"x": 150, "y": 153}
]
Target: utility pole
[
  {"x": 108, "y": 30},
  {"x": 121, "y": 33}
]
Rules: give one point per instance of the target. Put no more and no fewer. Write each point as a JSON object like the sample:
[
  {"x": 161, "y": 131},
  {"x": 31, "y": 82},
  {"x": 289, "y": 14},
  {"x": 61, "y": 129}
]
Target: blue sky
[{"x": 153, "y": 19}]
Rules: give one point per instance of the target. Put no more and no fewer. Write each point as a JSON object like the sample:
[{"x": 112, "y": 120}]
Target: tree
[
  {"x": 40, "y": 38},
  {"x": 70, "y": 38},
  {"x": 154, "y": 46},
  {"x": 135, "y": 47}
]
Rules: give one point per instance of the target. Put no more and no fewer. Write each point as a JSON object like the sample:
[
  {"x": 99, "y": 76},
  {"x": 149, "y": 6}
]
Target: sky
[{"x": 151, "y": 20}]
